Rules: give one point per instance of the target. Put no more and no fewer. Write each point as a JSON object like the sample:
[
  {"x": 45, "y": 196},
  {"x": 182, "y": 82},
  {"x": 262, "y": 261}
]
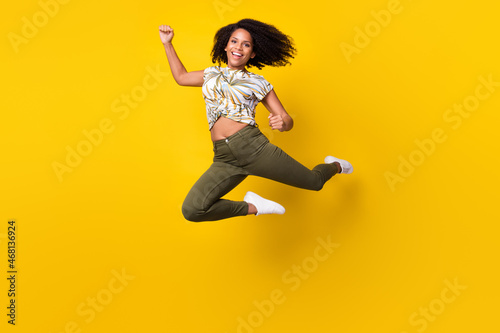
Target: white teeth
[{"x": 237, "y": 54}]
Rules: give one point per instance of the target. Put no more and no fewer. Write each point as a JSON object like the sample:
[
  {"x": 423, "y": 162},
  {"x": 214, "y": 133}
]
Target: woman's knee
[
  {"x": 191, "y": 214},
  {"x": 317, "y": 186},
  {"x": 319, "y": 180},
  {"x": 191, "y": 211},
  {"x": 314, "y": 183}
]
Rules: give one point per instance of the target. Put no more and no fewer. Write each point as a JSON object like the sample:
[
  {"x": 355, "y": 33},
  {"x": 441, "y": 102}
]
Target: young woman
[{"x": 240, "y": 149}]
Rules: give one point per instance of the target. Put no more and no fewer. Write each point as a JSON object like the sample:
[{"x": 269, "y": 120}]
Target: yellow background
[{"x": 119, "y": 209}]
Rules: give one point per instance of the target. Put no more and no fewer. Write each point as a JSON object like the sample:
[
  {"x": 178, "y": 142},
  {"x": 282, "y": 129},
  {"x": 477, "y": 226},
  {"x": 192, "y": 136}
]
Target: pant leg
[
  {"x": 203, "y": 201},
  {"x": 255, "y": 154},
  {"x": 273, "y": 163}
]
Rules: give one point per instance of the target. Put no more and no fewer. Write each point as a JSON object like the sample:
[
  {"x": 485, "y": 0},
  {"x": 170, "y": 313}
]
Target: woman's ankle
[
  {"x": 339, "y": 168},
  {"x": 252, "y": 210}
]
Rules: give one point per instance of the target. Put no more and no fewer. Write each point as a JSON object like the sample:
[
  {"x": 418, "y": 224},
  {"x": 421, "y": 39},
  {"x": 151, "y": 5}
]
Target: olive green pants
[{"x": 247, "y": 152}]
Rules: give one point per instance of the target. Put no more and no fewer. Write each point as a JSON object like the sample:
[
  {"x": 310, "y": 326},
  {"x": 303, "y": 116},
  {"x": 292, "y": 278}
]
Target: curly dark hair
[{"x": 271, "y": 46}]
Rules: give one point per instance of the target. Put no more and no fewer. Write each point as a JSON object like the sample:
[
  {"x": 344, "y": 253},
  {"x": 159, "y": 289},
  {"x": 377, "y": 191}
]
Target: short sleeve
[
  {"x": 208, "y": 71},
  {"x": 263, "y": 88}
]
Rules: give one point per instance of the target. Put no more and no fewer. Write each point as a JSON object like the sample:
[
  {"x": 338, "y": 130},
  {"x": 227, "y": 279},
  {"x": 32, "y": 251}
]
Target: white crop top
[{"x": 232, "y": 93}]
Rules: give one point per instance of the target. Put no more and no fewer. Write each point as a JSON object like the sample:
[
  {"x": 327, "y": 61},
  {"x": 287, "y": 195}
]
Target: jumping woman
[{"x": 240, "y": 149}]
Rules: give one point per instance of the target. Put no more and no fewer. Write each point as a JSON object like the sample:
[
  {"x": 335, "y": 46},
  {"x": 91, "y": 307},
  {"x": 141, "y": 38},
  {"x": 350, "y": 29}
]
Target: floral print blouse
[{"x": 233, "y": 93}]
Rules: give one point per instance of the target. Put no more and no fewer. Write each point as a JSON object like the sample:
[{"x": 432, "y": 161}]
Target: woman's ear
[{"x": 253, "y": 55}]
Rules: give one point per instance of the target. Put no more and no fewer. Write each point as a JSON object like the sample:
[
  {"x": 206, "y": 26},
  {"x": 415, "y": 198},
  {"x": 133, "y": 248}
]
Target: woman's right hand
[{"x": 166, "y": 34}]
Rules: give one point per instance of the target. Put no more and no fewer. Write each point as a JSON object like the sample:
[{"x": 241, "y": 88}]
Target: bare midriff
[{"x": 225, "y": 127}]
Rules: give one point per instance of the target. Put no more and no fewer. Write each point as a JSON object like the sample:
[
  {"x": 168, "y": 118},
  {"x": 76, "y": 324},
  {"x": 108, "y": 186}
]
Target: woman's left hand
[{"x": 277, "y": 122}]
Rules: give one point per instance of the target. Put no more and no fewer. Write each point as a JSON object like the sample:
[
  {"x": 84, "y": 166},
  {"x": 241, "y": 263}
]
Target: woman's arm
[
  {"x": 279, "y": 118},
  {"x": 179, "y": 72}
]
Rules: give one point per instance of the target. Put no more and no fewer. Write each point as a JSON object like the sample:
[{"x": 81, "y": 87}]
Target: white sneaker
[
  {"x": 263, "y": 206},
  {"x": 346, "y": 166}
]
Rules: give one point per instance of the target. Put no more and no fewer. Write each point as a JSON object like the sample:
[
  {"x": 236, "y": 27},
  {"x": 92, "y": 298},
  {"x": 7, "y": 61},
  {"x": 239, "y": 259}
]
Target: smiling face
[{"x": 239, "y": 49}]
